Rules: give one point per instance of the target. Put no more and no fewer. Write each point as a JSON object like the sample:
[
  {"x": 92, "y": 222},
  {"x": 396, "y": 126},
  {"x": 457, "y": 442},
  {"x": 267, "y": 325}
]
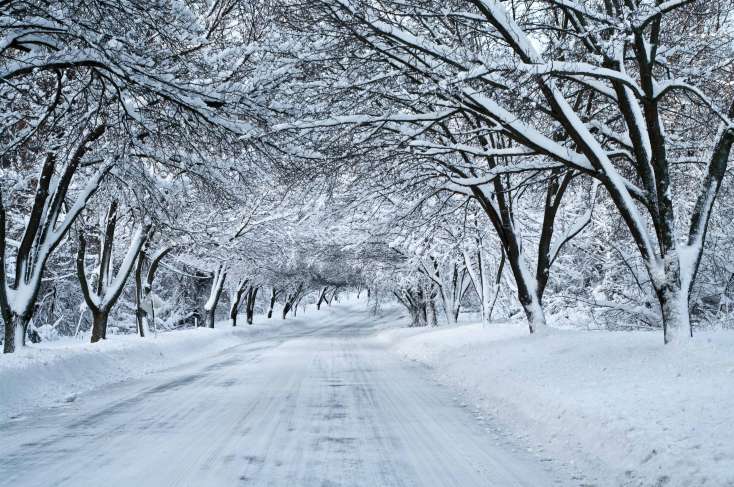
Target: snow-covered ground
[
  {"x": 320, "y": 405},
  {"x": 54, "y": 372},
  {"x": 618, "y": 408},
  {"x": 323, "y": 397}
]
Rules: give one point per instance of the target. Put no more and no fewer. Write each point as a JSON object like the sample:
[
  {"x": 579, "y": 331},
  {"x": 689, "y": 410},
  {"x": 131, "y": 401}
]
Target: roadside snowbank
[
  {"x": 43, "y": 374},
  {"x": 619, "y": 405}
]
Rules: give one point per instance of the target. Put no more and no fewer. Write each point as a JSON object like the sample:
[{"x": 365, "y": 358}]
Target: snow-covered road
[{"x": 328, "y": 406}]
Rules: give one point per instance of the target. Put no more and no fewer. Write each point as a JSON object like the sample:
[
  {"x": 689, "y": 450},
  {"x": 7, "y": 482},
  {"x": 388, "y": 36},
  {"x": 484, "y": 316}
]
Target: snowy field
[{"x": 618, "y": 407}]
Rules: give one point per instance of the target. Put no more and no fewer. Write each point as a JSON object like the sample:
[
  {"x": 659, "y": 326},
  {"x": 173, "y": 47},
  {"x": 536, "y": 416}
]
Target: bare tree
[
  {"x": 101, "y": 297},
  {"x": 48, "y": 223}
]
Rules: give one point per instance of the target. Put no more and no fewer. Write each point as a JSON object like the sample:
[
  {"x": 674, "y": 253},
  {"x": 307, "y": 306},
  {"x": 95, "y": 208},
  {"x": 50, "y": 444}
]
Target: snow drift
[{"x": 618, "y": 404}]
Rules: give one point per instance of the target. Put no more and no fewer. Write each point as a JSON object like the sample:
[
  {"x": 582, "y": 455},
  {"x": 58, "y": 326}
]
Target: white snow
[
  {"x": 321, "y": 405},
  {"x": 617, "y": 406},
  {"x": 322, "y": 397},
  {"x": 41, "y": 375}
]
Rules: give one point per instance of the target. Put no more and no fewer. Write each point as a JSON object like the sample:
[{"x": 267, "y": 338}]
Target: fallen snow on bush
[{"x": 617, "y": 404}]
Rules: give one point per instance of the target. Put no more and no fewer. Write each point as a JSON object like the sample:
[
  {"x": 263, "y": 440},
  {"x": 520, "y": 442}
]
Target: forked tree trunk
[
  {"x": 417, "y": 305},
  {"x": 292, "y": 300},
  {"x": 101, "y": 299},
  {"x": 286, "y": 309},
  {"x": 497, "y": 205},
  {"x": 649, "y": 143},
  {"x": 322, "y": 297},
  {"x": 235, "y": 300},
  {"x": 144, "y": 312},
  {"x": 47, "y": 224}
]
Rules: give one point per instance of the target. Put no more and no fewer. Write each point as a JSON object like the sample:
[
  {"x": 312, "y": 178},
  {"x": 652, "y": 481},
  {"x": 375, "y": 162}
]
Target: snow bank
[
  {"x": 617, "y": 404},
  {"x": 47, "y": 373}
]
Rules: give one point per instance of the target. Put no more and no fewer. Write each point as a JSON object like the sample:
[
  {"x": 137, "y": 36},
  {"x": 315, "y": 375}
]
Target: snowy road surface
[{"x": 327, "y": 406}]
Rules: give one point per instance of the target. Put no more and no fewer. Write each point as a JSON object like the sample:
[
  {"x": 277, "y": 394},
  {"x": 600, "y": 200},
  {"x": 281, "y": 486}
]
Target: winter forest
[{"x": 544, "y": 165}]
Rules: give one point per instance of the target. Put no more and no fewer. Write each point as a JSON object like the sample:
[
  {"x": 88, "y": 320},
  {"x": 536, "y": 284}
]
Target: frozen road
[{"x": 324, "y": 407}]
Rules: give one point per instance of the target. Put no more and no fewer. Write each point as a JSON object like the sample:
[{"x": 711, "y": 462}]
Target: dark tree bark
[
  {"x": 498, "y": 208},
  {"x": 99, "y": 325},
  {"x": 139, "y": 311},
  {"x": 47, "y": 225},
  {"x": 105, "y": 294},
  {"x": 273, "y": 297},
  {"x": 250, "y": 305},
  {"x": 322, "y": 297},
  {"x": 292, "y": 299},
  {"x": 286, "y": 309},
  {"x": 236, "y": 299}
]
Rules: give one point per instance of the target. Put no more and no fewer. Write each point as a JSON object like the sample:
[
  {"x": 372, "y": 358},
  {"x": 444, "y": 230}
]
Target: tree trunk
[
  {"x": 250, "y": 308},
  {"x": 450, "y": 308},
  {"x": 673, "y": 300},
  {"x": 292, "y": 300},
  {"x": 233, "y": 317},
  {"x": 15, "y": 333},
  {"x": 210, "y": 313},
  {"x": 37, "y": 244},
  {"x": 422, "y": 314},
  {"x": 99, "y": 325},
  {"x": 273, "y": 296},
  {"x": 531, "y": 306},
  {"x": 413, "y": 316},
  {"x": 527, "y": 292},
  {"x": 431, "y": 315},
  {"x": 139, "y": 321},
  {"x": 235, "y": 300},
  {"x": 218, "y": 279},
  {"x": 139, "y": 312},
  {"x": 9, "y": 336},
  {"x": 145, "y": 313},
  {"x": 322, "y": 298}
]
